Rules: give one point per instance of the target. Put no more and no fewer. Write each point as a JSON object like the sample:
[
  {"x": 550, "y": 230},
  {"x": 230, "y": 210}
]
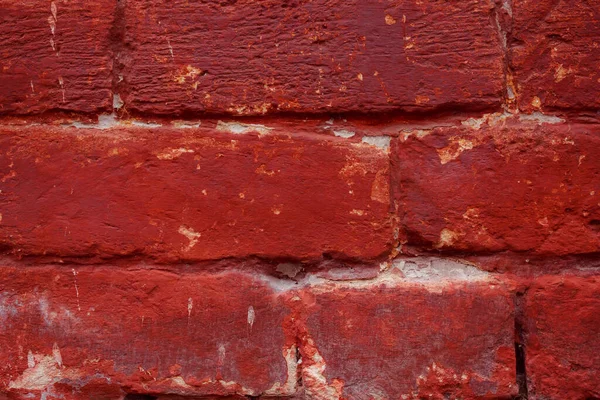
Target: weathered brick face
[{"x": 328, "y": 200}]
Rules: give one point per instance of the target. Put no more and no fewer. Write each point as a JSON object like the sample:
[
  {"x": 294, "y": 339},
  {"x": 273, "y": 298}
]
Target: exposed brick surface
[
  {"x": 555, "y": 53},
  {"x": 563, "y": 347},
  {"x": 55, "y": 55},
  {"x": 257, "y": 57},
  {"x": 104, "y": 331},
  {"x": 433, "y": 339},
  {"x": 524, "y": 187},
  {"x": 191, "y": 194}
]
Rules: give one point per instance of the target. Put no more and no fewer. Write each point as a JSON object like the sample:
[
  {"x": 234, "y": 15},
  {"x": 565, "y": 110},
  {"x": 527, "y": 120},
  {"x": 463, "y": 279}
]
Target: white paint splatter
[{"x": 251, "y": 316}]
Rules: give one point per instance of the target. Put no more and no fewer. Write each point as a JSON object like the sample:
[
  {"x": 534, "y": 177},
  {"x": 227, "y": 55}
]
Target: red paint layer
[
  {"x": 102, "y": 331},
  {"x": 523, "y": 188},
  {"x": 454, "y": 341},
  {"x": 257, "y": 57},
  {"x": 55, "y": 55},
  {"x": 561, "y": 337},
  {"x": 555, "y": 54},
  {"x": 191, "y": 194}
]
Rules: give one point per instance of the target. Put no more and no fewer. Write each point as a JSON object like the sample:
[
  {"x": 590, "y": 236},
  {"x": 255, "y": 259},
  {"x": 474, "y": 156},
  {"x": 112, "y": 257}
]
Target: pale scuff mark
[
  {"x": 186, "y": 124},
  {"x": 381, "y": 142},
  {"x": 170, "y": 49},
  {"x": 492, "y": 119},
  {"x": 430, "y": 272},
  {"x": 52, "y": 20},
  {"x": 190, "y": 306},
  {"x": 76, "y": 288},
  {"x": 290, "y": 386},
  {"x": 453, "y": 151},
  {"x": 540, "y": 118},
  {"x": 42, "y": 371},
  {"x": 63, "y": 318},
  {"x": 447, "y": 238},
  {"x": 418, "y": 133},
  {"x": 380, "y": 189},
  {"x": 117, "y": 101},
  {"x": 190, "y": 235},
  {"x": 238, "y": 128},
  {"x": 221, "y": 352},
  {"x": 56, "y": 354},
  {"x": 171, "y": 154},
  {"x": 562, "y": 72},
  {"x": 343, "y": 133},
  {"x": 45, "y": 372},
  {"x": 251, "y": 316},
  {"x": 313, "y": 378},
  {"x": 186, "y": 73},
  {"x": 61, "y": 82}
]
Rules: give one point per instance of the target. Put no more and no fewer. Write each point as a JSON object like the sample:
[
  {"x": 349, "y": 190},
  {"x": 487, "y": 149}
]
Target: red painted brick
[
  {"x": 398, "y": 338},
  {"x": 256, "y": 57},
  {"x": 102, "y": 331},
  {"x": 191, "y": 194},
  {"x": 55, "y": 55},
  {"x": 562, "y": 315},
  {"x": 555, "y": 54},
  {"x": 519, "y": 187}
]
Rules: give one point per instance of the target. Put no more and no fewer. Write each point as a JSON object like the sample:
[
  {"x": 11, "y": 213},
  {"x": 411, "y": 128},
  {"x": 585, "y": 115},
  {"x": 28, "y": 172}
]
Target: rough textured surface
[
  {"x": 523, "y": 187},
  {"x": 104, "y": 332},
  {"x": 55, "y": 55},
  {"x": 304, "y": 199},
  {"x": 257, "y": 57},
  {"x": 555, "y": 54},
  {"x": 191, "y": 194},
  {"x": 563, "y": 347},
  {"x": 423, "y": 337}
]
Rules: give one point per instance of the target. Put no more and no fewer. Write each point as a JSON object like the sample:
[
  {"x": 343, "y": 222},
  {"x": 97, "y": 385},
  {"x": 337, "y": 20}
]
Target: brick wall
[{"x": 307, "y": 199}]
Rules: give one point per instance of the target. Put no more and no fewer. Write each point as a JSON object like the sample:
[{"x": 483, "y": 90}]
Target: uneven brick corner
[
  {"x": 516, "y": 186},
  {"x": 554, "y": 54}
]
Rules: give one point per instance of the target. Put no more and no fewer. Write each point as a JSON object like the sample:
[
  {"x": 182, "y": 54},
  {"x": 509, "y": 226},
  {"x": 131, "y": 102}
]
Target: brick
[
  {"x": 191, "y": 194},
  {"x": 562, "y": 315},
  {"x": 256, "y": 57},
  {"x": 101, "y": 332},
  {"x": 510, "y": 186},
  {"x": 427, "y": 329},
  {"x": 555, "y": 54},
  {"x": 55, "y": 56}
]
